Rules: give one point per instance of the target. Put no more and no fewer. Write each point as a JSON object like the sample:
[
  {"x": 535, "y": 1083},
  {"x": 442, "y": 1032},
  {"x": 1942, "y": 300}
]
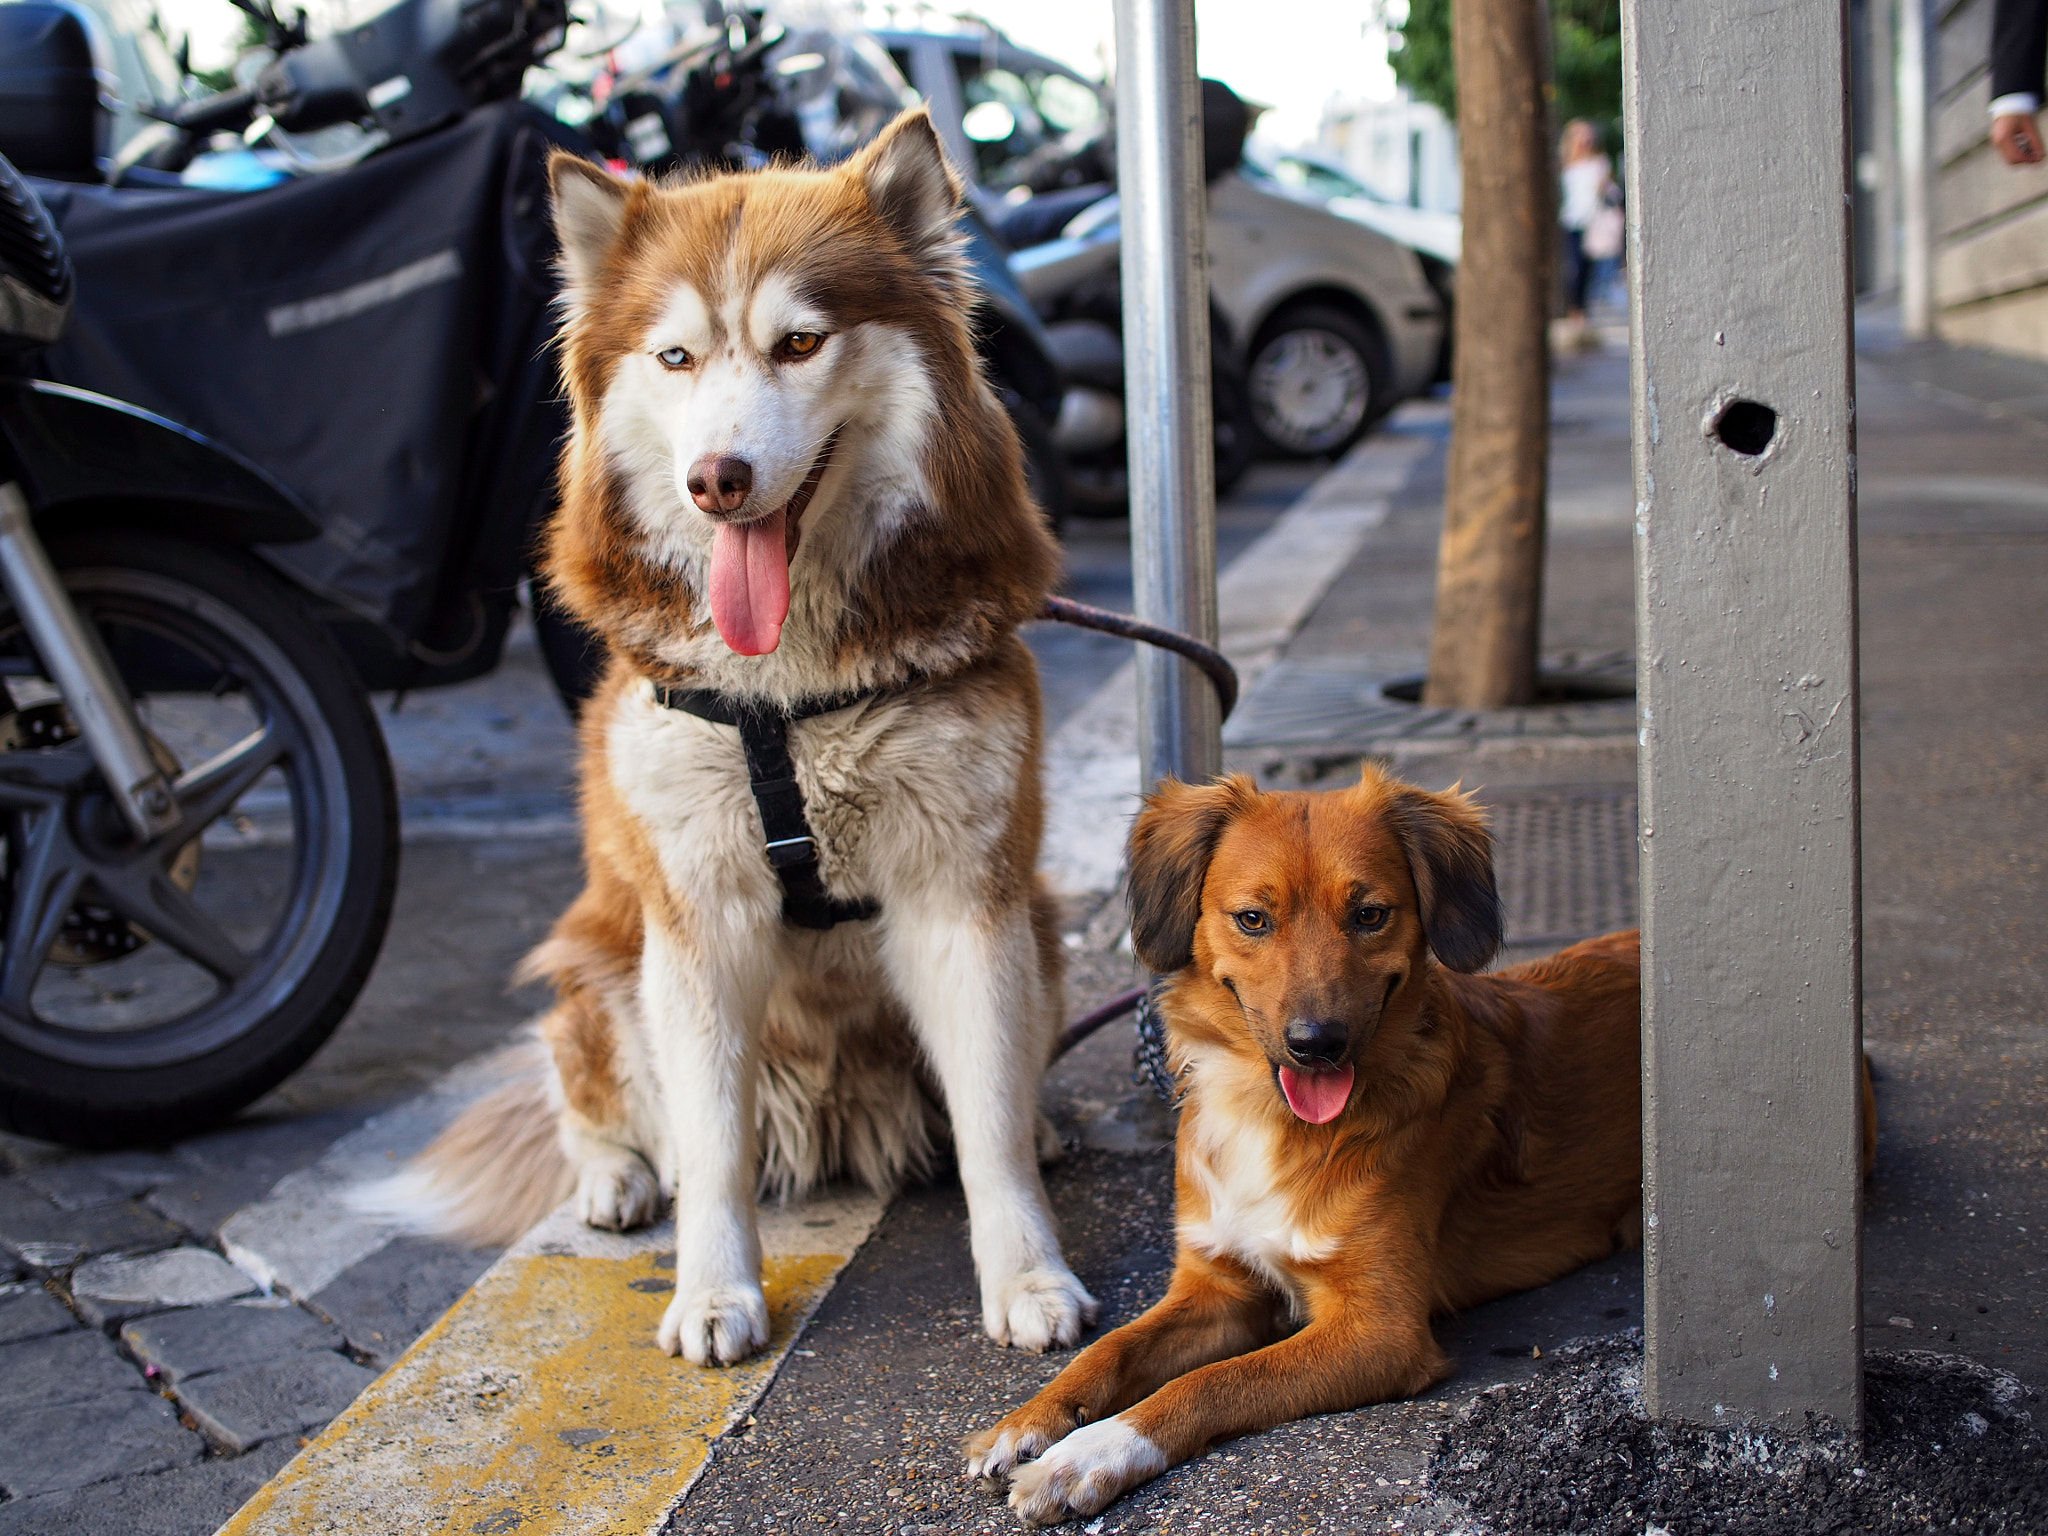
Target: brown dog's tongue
[
  {"x": 750, "y": 583},
  {"x": 1317, "y": 1097}
]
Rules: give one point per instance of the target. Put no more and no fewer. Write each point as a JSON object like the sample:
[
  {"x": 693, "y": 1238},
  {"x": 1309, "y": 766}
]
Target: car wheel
[
  {"x": 1236, "y": 444},
  {"x": 1318, "y": 379}
]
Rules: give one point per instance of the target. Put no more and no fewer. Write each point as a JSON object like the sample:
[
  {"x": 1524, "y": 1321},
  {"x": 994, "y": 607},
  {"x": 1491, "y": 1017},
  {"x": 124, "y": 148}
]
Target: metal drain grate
[
  {"x": 1338, "y": 702},
  {"x": 1566, "y": 863}
]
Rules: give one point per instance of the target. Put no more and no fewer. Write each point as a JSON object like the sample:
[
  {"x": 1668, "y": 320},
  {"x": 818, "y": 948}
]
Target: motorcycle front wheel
[{"x": 148, "y": 990}]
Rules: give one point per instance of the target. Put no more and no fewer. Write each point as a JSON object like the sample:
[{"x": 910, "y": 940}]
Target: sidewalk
[
  {"x": 859, "y": 1434},
  {"x": 859, "y": 1413}
]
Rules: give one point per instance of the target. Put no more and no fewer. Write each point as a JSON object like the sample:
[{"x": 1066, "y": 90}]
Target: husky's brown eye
[
  {"x": 672, "y": 358},
  {"x": 1369, "y": 919},
  {"x": 1253, "y": 922},
  {"x": 799, "y": 344}
]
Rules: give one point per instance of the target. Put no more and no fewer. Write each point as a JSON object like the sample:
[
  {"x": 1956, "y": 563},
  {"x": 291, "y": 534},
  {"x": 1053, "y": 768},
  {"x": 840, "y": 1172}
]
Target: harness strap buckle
[
  {"x": 791, "y": 846},
  {"x": 786, "y": 851}
]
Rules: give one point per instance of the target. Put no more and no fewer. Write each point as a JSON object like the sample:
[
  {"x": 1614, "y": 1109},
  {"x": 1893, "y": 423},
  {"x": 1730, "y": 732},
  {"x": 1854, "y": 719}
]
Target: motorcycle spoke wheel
[{"x": 146, "y": 988}]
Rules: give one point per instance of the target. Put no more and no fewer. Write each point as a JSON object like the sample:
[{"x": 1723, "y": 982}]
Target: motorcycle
[
  {"x": 167, "y": 959},
  {"x": 268, "y": 450}
]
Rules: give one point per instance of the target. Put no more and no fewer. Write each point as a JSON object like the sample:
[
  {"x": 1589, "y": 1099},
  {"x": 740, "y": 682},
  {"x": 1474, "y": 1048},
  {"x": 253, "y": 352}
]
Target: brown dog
[{"x": 1368, "y": 1137}]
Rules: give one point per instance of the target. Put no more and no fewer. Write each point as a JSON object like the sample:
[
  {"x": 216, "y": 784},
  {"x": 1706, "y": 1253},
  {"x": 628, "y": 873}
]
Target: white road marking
[{"x": 1263, "y": 598}]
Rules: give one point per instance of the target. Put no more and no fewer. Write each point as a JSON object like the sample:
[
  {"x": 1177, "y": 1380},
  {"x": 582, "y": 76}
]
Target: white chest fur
[
  {"x": 1249, "y": 1216},
  {"x": 902, "y": 792}
]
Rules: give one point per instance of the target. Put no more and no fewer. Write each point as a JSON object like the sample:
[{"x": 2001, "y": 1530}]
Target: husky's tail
[{"x": 497, "y": 1170}]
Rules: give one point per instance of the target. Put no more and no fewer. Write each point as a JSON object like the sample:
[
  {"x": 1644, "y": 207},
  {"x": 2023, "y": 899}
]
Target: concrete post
[
  {"x": 1744, "y": 438},
  {"x": 1166, "y": 378}
]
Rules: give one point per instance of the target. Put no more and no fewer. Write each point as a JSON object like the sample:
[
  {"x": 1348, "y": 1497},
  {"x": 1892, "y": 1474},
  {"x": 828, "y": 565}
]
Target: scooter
[
  {"x": 265, "y": 450},
  {"x": 201, "y": 832}
]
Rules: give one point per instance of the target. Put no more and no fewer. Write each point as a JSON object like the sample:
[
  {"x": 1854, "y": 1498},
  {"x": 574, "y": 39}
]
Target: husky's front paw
[
  {"x": 1017, "y": 1437},
  {"x": 1040, "y": 1309},
  {"x": 1084, "y": 1472},
  {"x": 617, "y": 1191},
  {"x": 721, "y": 1326}
]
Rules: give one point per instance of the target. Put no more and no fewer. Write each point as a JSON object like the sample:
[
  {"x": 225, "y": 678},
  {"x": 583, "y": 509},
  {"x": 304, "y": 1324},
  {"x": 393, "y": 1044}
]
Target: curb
[{"x": 541, "y": 1402}]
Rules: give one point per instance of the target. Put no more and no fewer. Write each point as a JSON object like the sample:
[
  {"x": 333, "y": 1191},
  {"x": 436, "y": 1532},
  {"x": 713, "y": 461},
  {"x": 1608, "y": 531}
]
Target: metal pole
[
  {"x": 1166, "y": 378},
  {"x": 1744, "y": 439},
  {"x": 1916, "y": 218}
]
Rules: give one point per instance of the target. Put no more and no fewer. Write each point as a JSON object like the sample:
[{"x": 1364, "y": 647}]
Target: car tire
[
  {"x": 1236, "y": 437},
  {"x": 1318, "y": 380}
]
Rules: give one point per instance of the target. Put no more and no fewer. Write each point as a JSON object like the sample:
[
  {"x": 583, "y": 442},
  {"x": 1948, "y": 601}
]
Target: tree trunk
[{"x": 1489, "y": 586}]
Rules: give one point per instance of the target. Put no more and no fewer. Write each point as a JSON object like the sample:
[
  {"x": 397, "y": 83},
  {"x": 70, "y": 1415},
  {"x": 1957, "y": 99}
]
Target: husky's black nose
[
  {"x": 1316, "y": 1042},
  {"x": 719, "y": 482}
]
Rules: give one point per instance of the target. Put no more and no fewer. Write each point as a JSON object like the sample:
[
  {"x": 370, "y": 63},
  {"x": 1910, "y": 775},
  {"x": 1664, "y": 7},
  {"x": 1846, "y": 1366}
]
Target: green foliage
[
  {"x": 1585, "y": 58},
  {"x": 1420, "y": 51},
  {"x": 1585, "y": 61},
  {"x": 222, "y": 79}
]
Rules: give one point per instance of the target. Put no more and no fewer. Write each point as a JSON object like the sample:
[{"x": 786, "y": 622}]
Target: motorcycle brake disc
[{"x": 93, "y": 934}]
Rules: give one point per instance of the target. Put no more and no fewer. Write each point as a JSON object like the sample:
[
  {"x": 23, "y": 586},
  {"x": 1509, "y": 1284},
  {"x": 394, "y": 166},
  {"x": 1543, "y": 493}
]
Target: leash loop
[{"x": 1213, "y": 663}]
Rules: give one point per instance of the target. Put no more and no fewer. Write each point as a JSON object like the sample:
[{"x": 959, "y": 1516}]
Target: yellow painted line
[{"x": 542, "y": 1404}]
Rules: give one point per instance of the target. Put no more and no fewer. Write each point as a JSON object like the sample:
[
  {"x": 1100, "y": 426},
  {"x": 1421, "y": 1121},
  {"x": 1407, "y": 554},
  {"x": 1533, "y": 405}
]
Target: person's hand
[{"x": 2018, "y": 137}]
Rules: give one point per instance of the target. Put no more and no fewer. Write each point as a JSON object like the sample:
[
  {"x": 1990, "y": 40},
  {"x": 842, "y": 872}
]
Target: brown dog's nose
[
  {"x": 1316, "y": 1042},
  {"x": 719, "y": 482}
]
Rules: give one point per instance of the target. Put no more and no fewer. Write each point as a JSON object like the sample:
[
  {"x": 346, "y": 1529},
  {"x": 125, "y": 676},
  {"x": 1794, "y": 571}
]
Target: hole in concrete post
[{"x": 1747, "y": 426}]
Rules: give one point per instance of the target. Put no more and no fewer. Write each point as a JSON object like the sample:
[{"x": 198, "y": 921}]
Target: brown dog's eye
[
  {"x": 1369, "y": 919},
  {"x": 1253, "y": 922},
  {"x": 799, "y": 344}
]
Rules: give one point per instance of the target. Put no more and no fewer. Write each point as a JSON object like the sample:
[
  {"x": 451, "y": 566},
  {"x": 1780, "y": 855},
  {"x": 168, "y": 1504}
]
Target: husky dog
[{"x": 788, "y": 490}]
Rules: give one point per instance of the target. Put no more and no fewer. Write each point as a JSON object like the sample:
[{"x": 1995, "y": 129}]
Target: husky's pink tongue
[
  {"x": 1318, "y": 1097},
  {"x": 750, "y": 583}
]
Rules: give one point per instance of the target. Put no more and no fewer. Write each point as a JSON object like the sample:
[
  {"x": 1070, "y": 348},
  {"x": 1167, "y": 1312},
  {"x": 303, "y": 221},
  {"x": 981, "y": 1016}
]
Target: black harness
[{"x": 792, "y": 846}]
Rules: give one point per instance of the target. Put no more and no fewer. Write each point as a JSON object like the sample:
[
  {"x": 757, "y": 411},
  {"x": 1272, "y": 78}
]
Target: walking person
[{"x": 1586, "y": 175}]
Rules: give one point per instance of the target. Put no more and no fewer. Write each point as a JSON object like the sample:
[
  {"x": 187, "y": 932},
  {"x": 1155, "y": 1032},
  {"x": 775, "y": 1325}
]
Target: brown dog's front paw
[
  {"x": 1084, "y": 1473},
  {"x": 1022, "y": 1435}
]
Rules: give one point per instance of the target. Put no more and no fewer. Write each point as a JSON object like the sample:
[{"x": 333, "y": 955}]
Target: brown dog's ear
[
  {"x": 914, "y": 190},
  {"x": 1450, "y": 856},
  {"x": 590, "y": 210},
  {"x": 1171, "y": 843}
]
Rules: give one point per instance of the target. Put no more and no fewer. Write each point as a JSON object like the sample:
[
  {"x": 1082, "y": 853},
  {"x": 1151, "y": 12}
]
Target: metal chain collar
[{"x": 1149, "y": 1065}]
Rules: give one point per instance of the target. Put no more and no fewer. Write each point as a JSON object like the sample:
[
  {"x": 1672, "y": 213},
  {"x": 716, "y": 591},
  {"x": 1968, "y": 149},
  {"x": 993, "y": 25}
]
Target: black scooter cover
[{"x": 377, "y": 338}]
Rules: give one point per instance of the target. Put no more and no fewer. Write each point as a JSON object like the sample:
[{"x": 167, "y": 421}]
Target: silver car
[{"x": 1336, "y": 322}]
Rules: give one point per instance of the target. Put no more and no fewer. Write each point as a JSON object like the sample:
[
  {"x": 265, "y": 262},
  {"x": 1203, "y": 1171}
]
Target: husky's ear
[
  {"x": 1450, "y": 856},
  {"x": 590, "y": 210},
  {"x": 912, "y": 187},
  {"x": 1172, "y": 842}
]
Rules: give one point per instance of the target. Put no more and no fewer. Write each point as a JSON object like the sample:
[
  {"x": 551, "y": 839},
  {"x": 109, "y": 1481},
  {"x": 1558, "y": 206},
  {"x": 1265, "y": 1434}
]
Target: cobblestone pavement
[{"x": 151, "y": 1385}]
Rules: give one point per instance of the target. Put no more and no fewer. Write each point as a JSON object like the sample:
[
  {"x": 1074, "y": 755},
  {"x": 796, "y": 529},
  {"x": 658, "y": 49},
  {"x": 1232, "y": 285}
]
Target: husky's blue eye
[{"x": 673, "y": 357}]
